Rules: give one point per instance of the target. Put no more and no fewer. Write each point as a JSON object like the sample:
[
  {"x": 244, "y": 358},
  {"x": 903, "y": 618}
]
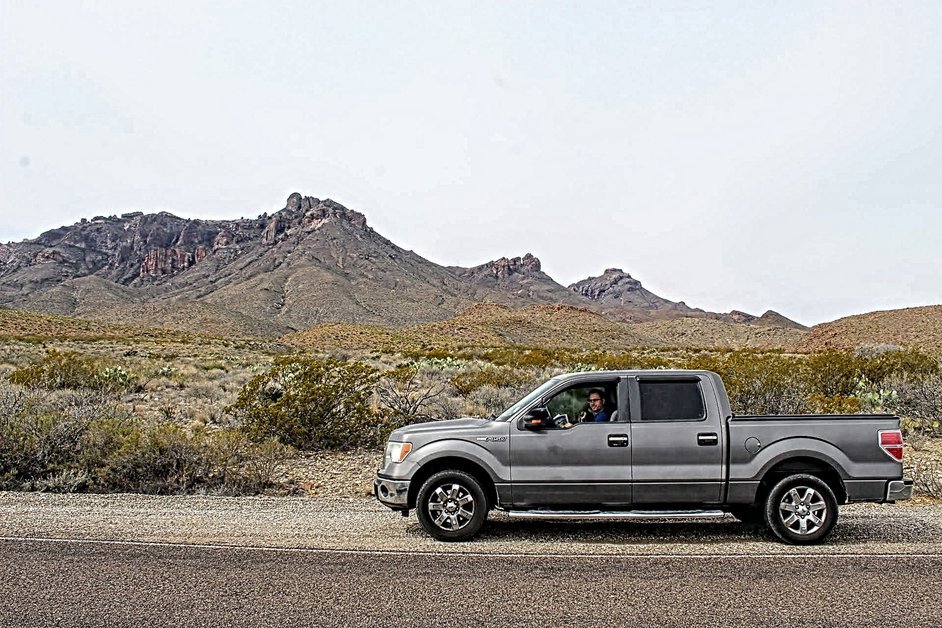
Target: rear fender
[{"x": 798, "y": 447}]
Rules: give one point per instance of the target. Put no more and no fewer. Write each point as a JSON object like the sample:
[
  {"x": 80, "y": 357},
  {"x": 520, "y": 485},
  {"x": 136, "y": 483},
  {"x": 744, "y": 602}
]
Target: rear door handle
[
  {"x": 705, "y": 439},
  {"x": 617, "y": 440}
]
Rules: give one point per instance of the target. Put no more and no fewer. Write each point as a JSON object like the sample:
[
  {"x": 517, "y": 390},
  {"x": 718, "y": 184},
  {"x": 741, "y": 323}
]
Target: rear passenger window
[{"x": 676, "y": 400}]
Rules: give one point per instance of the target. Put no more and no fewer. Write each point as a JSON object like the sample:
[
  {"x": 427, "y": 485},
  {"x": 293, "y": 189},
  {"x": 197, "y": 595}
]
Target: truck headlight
[{"x": 396, "y": 452}]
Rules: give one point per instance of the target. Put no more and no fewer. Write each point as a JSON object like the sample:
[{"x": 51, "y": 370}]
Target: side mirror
[{"x": 536, "y": 419}]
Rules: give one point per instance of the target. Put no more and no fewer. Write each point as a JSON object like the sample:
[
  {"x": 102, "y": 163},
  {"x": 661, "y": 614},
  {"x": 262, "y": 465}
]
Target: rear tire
[
  {"x": 451, "y": 506},
  {"x": 801, "y": 509}
]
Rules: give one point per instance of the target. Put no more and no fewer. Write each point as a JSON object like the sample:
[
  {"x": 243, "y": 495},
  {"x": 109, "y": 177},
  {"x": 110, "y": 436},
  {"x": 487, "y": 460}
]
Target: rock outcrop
[
  {"x": 615, "y": 288},
  {"x": 504, "y": 267}
]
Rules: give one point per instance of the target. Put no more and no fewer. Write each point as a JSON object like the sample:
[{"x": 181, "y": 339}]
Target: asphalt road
[
  {"x": 90, "y": 584},
  {"x": 200, "y": 561}
]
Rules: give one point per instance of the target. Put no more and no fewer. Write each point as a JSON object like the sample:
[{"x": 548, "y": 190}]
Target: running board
[{"x": 616, "y": 514}]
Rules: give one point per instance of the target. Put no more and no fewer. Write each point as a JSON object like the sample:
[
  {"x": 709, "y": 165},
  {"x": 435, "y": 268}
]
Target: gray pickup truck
[{"x": 659, "y": 444}]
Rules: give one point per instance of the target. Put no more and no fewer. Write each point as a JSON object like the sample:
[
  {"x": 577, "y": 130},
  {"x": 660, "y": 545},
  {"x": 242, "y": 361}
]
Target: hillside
[
  {"x": 916, "y": 327},
  {"x": 559, "y": 326}
]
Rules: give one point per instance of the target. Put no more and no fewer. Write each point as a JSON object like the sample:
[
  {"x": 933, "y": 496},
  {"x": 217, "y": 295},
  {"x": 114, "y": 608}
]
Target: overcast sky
[{"x": 743, "y": 155}]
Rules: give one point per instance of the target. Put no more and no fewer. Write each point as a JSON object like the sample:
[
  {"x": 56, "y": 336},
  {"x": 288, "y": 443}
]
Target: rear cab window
[{"x": 671, "y": 400}]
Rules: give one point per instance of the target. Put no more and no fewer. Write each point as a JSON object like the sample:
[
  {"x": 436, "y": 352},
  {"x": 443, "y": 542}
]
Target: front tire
[
  {"x": 451, "y": 506},
  {"x": 801, "y": 509}
]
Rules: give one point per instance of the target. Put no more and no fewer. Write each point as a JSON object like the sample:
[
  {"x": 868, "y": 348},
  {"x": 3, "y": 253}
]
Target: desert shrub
[
  {"x": 161, "y": 459},
  {"x": 204, "y": 390},
  {"x": 449, "y": 407},
  {"x": 926, "y": 471},
  {"x": 833, "y": 373},
  {"x": 918, "y": 402},
  {"x": 71, "y": 370},
  {"x": 526, "y": 357},
  {"x": 406, "y": 394},
  {"x": 71, "y": 441},
  {"x": 310, "y": 403},
  {"x": 835, "y": 404},
  {"x": 626, "y": 360},
  {"x": 759, "y": 383},
  {"x": 58, "y": 370},
  {"x": 912, "y": 363},
  {"x": 68, "y": 481},
  {"x": 469, "y": 381},
  {"x": 491, "y": 400}
]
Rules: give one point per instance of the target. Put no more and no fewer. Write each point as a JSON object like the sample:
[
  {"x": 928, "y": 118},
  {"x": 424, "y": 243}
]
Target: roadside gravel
[{"x": 361, "y": 524}]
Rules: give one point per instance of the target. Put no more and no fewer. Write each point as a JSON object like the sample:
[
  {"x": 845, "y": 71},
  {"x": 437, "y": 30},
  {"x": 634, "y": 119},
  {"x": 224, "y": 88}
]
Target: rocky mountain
[
  {"x": 624, "y": 298},
  {"x": 313, "y": 261},
  {"x": 520, "y": 276},
  {"x": 616, "y": 289}
]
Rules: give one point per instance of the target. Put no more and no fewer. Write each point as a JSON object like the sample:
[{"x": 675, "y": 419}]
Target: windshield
[{"x": 536, "y": 394}]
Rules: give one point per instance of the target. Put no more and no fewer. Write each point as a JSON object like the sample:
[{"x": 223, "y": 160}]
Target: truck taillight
[{"x": 891, "y": 441}]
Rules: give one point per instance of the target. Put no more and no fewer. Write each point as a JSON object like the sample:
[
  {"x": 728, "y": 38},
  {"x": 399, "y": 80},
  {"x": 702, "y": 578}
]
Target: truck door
[
  {"x": 676, "y": 442},
  {"x": 585, "y": 465}
]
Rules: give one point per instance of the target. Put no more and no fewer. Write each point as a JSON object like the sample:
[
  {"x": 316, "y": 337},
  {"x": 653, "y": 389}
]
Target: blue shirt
[{"x": 601, "y": 417}]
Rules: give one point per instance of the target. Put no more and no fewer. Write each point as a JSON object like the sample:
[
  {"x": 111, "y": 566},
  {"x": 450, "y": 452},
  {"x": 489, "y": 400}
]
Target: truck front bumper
[
  {"x": 899, "y": 489},
  {"x": 392, "y": 493}
]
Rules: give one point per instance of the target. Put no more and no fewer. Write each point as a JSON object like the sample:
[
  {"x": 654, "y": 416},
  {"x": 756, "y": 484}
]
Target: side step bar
[{"x": 616, "y": 514}]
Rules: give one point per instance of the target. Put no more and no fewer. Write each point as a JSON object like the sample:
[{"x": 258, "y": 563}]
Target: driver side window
[{"x": 585, "y": 403}]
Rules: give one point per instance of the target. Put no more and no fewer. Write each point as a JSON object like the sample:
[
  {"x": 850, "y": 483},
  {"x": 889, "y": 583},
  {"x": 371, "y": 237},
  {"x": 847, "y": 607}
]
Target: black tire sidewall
[
  {"x": 774, "y": 521},
  {"x": 452, "y": 477}
]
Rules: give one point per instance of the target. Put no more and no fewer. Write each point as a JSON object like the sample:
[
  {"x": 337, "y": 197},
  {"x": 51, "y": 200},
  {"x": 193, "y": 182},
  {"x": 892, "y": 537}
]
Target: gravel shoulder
[{"x": 361, "y": 524}]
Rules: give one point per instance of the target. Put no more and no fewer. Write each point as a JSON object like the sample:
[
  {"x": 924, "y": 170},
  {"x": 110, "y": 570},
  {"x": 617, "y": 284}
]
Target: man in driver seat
[{"x": 596, "y": 412}]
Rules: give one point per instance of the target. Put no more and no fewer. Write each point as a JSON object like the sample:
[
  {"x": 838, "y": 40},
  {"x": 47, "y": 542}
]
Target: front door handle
[
  {"x": 617, "y": 440},
  {"x": 705, "y": 439}
]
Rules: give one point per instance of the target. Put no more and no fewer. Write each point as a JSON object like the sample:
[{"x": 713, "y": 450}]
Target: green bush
[
  {"x": 66, "y": 442},
  {"x": 311, "y": 404},
  {"x": 759, "y": 383},
  {"x": 57, "y": 371},
  {"x": 71, "y": 370}
]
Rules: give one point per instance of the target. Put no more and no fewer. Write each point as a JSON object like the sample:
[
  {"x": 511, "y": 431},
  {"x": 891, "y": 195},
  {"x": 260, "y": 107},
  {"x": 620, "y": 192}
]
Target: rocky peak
[
  {"x": 310, "y": 209},
  {"x": 614, "y": 282},
  {"x": 615, "y": 289},
  {"x": 504, "y": 267},
  {"x": 305, "y": 214},
  {"x": 738, "y": 316}
]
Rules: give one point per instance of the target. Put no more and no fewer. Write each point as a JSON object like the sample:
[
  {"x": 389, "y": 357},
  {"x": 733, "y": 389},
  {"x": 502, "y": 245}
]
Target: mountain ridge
[{"x": 312, "y": 262}]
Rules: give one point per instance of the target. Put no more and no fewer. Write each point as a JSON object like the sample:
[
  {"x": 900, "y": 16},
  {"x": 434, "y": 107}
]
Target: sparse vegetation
[
  {"x": 169, "y": 414},
  {"x": 83, "y": 440}
]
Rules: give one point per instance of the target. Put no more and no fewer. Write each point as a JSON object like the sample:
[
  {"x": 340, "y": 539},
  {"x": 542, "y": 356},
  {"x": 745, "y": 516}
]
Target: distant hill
[
  {"x": 919, "y": 327},
  {"x": 550, "y": 326},
  {"x": 312, "y": 262},
  {"x": 33, "y": 326},
  {"x": 622, "y": 297}
]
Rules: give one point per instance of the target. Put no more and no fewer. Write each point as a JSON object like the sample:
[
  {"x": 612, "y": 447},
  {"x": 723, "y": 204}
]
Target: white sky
[{"x": 755, "y": 156}]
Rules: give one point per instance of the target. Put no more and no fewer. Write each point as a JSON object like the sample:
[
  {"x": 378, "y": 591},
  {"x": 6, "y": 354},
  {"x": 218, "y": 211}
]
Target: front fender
[{"x": 493, "y": 457}]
